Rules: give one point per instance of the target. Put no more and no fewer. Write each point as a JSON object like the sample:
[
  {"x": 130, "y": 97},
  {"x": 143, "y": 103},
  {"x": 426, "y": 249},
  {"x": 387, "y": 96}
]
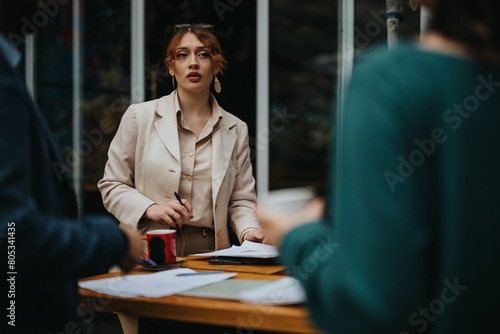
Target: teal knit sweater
[{"x": 413, "y": 245}]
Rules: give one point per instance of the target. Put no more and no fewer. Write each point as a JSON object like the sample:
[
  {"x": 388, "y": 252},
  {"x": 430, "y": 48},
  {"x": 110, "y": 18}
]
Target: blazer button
[{"x": 189, "y": 177}]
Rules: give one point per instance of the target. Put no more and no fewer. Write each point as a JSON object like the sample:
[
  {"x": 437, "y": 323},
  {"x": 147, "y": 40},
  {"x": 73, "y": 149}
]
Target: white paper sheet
[
  {"x": 247, "y": 249},
  {"x": 285, "y": 291},
  {"x": 287, "y": 200},
  {"x": 155, "y": 285}
]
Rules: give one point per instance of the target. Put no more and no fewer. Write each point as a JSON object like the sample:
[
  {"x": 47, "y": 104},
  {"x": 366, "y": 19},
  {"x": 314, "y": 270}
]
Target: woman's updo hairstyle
[{"x": 206, "y": 37}]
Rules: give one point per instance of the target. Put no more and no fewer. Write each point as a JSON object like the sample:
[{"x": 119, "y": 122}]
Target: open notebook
[
  {"x": 248, "y": 253},
  {"x": 247, "y": 249}
]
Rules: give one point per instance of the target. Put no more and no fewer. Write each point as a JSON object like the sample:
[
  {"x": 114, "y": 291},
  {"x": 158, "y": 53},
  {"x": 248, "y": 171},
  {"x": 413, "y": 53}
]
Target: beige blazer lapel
[
  {"x": 167, "y": 126},
  {"x": 223, "y": 141}
]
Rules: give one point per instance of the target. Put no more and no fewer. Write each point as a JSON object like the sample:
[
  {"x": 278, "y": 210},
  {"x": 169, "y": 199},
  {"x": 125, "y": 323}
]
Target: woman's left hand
[{"x": 254, "y": 235}]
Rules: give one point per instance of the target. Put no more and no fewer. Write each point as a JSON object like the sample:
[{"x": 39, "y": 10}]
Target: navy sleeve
[{"x": 50, "y": 245}]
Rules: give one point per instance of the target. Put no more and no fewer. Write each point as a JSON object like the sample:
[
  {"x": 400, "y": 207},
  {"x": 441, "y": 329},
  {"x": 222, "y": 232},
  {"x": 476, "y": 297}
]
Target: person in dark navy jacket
[{"x": 44, "y": 246}]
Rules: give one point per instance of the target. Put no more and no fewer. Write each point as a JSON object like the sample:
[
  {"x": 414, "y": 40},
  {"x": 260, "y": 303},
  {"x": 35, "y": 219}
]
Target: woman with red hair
[{"x": 184, "y": 143}]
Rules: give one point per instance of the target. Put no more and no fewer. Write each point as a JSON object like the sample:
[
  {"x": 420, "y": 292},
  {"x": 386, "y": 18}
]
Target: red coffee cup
[{"x": 161, "y": 246}]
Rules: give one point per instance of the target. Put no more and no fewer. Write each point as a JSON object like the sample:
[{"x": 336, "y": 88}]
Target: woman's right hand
[{"x": 170, "y": 213}]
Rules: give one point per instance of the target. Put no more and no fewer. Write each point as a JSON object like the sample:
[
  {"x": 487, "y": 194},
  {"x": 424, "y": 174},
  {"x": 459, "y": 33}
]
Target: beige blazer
[{"x": 144, "y": 168}]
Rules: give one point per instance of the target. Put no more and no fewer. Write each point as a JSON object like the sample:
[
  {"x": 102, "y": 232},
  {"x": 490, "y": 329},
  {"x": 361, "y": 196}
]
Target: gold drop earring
[
  {"x": 173, "y": 82},
  {"x": 217, "y": 86}
]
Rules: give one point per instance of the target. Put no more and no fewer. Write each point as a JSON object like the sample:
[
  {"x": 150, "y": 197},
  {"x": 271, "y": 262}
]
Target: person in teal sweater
[{"x": 412, "y": 245}]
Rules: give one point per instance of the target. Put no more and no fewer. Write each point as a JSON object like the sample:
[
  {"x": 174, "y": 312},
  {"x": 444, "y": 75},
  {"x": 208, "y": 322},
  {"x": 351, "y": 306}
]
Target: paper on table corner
[
  {"x": 155, "y": 285},
  {"x": 286, "y": 291}
]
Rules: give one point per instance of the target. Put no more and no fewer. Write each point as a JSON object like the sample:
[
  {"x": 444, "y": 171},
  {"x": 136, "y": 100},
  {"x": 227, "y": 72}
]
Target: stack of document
[
  {"x": 247, "y": 249},
  {"x": 248, "y": 253}
]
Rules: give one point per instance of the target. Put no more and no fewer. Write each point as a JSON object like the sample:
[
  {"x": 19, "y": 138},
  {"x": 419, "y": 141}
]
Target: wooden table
[{"x": 238, "y": 316}]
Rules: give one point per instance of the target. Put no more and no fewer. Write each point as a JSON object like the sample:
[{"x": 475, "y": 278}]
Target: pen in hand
[{"x": 180, "y": 201}]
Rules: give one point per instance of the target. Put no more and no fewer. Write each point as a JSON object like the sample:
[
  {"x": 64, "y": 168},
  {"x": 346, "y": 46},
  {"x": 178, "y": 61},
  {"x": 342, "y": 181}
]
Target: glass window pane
[
  {"x": 371, "y": 23},
  {"x": 54, "y": 80},
  {"x": 106, "y": 79},
  {"x": 106, "y": 86},
  {"x": 303, "y": 74}
]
